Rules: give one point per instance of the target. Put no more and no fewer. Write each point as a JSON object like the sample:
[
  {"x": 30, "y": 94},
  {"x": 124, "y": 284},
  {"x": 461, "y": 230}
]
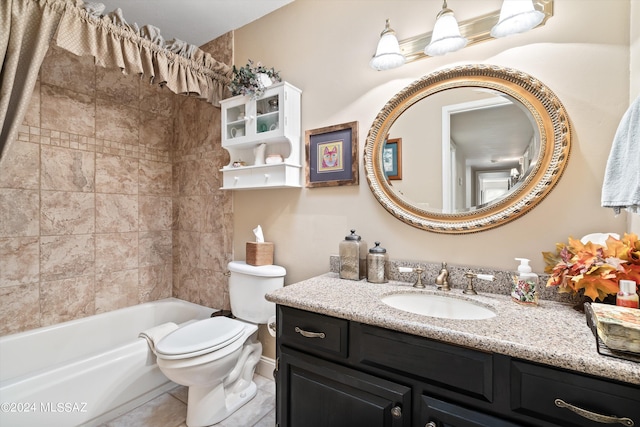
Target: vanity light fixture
[
  {"x": 516, "y": 16},
  {"x": 473, "y": 30},
  {"x": 388, "y": 54},
  {"x": 446, "y": 34}
]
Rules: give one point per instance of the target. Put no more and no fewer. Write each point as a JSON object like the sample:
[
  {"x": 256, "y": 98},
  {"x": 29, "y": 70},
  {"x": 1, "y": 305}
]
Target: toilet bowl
[{"x": 216, "y": 357}]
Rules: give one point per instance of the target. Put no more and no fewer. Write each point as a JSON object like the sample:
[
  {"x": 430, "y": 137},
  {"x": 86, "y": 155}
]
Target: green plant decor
[{"x": 252, "y": 79}]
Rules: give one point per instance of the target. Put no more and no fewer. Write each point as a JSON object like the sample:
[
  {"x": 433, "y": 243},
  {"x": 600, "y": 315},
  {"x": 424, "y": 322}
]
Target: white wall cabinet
[{"x": 272, "y": 119}]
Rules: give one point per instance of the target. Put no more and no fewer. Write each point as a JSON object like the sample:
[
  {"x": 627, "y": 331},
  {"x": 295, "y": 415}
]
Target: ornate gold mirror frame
[{"x": 553, "y": 128}]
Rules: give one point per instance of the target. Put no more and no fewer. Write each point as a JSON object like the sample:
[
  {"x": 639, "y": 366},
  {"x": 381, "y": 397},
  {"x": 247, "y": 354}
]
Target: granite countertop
[{"x": 551, "y": 333}]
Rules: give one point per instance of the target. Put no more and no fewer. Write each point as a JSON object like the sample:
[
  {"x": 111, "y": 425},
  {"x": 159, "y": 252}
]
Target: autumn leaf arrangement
[{"x": 593, "y": 269}]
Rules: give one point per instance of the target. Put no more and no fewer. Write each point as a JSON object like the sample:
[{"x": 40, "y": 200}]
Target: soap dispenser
[
  {"x": 353, "y": 257},
  {"x": 525, "y": 284}
]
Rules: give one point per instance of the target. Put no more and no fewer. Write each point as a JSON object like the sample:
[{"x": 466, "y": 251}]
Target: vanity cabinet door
[
  {"x": 437, "y": 413},
  {"x": 315, "y": 393}
]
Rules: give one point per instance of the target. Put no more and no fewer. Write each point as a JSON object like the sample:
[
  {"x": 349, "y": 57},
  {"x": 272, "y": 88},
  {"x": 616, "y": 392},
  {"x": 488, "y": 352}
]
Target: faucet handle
[
  {"x": 470, "y": 275},
  {"x": 418, "y": 270},
  {"x": 469, "y": 289},
  {"x": 418, "y": 284}
]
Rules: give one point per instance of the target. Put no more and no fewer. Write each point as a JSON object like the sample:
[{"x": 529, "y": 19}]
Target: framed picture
[
  {"x": 392, "y": 158},
  {"x": 332, "y": 155}
]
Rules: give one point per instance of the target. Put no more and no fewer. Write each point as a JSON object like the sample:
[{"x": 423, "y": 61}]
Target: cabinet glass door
[
  {"x": 236, "y": 121},
  {"x": 268, "y": 113}
]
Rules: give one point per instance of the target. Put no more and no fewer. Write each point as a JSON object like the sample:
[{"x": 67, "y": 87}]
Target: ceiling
[
  {"x": 193, "y": 21},
  {"x": 493, "y": 137}
]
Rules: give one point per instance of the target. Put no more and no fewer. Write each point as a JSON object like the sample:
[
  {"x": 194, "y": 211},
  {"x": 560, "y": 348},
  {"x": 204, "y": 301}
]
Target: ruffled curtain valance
[
  {"x": 120, "y": 45},
  {"x": 28, "y": 27}
]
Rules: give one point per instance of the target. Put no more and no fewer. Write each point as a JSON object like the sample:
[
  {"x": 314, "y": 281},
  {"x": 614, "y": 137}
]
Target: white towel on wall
[{"x": 621, "y": 187}]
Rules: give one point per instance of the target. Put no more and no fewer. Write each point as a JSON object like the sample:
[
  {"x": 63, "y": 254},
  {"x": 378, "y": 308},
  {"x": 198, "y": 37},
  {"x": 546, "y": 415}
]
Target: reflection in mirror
[
  {"x": 482, "y": 145},
  {"x": 465, "y": 147}
]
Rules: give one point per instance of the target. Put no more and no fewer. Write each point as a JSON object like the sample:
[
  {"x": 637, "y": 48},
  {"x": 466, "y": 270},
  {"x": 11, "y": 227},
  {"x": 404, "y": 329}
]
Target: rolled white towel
[{"x": 155, "y": 334}]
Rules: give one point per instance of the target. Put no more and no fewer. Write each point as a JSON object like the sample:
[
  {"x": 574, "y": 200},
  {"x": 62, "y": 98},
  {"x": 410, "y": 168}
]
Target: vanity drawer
[
  {"x": 311, "y": 332},
  {"x": 440, "y": 365},
  {"x": 440, "y": 413},
  {"x": 535, "y": 390}
]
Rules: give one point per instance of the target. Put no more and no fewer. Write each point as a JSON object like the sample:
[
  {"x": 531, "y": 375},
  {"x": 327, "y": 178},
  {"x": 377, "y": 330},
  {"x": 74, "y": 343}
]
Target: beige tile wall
[
  {"x": 202, "y": 213},
  {"x": 110, "y": 198}
]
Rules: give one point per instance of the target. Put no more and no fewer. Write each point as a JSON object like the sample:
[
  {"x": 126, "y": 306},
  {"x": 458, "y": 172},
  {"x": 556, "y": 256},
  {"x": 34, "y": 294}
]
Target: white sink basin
[{"x": 438, "y": 306}]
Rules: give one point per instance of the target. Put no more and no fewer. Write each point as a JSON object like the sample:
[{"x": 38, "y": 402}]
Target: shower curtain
[{"x": 29, "y": 26}]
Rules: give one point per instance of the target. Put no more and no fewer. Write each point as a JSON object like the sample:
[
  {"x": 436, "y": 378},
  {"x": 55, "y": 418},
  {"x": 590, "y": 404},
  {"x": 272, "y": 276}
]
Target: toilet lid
[
  {"x": 201, "y": 337},
  {"x": 259, "y": 270}
]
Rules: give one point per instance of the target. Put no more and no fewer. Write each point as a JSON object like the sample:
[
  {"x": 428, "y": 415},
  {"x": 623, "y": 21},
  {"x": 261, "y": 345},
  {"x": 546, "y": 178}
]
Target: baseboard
[{"x": 265, "y": 367}]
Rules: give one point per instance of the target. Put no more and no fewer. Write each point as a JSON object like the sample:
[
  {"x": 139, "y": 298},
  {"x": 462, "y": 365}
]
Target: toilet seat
[{"x": 201, "y": 337}]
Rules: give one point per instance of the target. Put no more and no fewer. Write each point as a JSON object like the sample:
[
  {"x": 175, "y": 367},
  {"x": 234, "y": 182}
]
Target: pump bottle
[
  {"x": 525, "y": 284},
  {"x": 627, "y": 295}
]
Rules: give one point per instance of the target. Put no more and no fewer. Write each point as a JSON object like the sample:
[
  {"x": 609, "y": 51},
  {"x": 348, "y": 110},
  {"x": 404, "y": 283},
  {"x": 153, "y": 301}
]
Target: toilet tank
[{"x": 248, "y": 284}]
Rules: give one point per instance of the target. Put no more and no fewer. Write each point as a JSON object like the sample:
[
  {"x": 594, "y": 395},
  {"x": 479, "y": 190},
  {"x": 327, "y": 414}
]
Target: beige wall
[
  {"x": 634, "y": 90},
  {"x": 323, "y": 47},
  {"x": 634, "y": 48}
]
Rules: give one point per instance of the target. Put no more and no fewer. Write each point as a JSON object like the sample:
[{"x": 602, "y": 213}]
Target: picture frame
[
  {"x": 332, "y": 156},
  {"x": 392, "y": 158}
]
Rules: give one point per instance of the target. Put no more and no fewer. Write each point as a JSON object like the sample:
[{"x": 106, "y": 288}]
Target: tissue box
[{"x": 259, "y": 253}]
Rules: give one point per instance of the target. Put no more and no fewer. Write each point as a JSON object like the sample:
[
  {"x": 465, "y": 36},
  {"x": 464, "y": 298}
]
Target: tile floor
[{"x": 170, "y": 410}]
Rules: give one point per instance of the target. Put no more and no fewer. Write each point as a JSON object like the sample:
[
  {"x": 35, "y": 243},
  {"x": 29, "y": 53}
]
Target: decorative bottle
[
  {"x": 353, "y": 257},
  {"x": 525, "y": 284},
  {"x": 627, "y": 295},
  {"x": 377, "y": 265}
]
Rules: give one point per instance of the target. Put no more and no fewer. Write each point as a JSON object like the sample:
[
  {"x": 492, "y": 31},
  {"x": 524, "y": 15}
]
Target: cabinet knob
[
  {"x": 599, "y": 418},
  {"x": 396, "y": 412}
]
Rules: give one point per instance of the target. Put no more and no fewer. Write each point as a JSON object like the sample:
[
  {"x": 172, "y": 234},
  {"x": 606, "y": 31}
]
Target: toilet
[{"x": 217, "y": 357}]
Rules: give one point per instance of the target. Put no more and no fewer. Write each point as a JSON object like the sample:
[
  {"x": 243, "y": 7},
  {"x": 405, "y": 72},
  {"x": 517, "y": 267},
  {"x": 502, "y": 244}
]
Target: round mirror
[{"x": 467, "y": 149}]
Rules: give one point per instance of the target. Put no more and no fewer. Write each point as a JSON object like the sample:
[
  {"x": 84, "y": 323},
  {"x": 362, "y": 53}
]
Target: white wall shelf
[{"x": 272, "y": 119}]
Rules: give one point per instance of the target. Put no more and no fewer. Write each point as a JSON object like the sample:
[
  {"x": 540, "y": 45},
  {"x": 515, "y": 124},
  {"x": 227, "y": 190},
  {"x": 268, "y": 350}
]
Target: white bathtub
[{"x": 85, "y": 371}]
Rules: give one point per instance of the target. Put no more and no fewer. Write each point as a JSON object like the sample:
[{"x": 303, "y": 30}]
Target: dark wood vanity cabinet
[
  {"x": 337, "y": 373},
  {"x": 313, "y": 391}
]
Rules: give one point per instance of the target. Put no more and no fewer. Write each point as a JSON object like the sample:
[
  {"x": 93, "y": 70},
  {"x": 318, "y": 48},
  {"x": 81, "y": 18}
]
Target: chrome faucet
[{"x": 442, "y": 281}]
